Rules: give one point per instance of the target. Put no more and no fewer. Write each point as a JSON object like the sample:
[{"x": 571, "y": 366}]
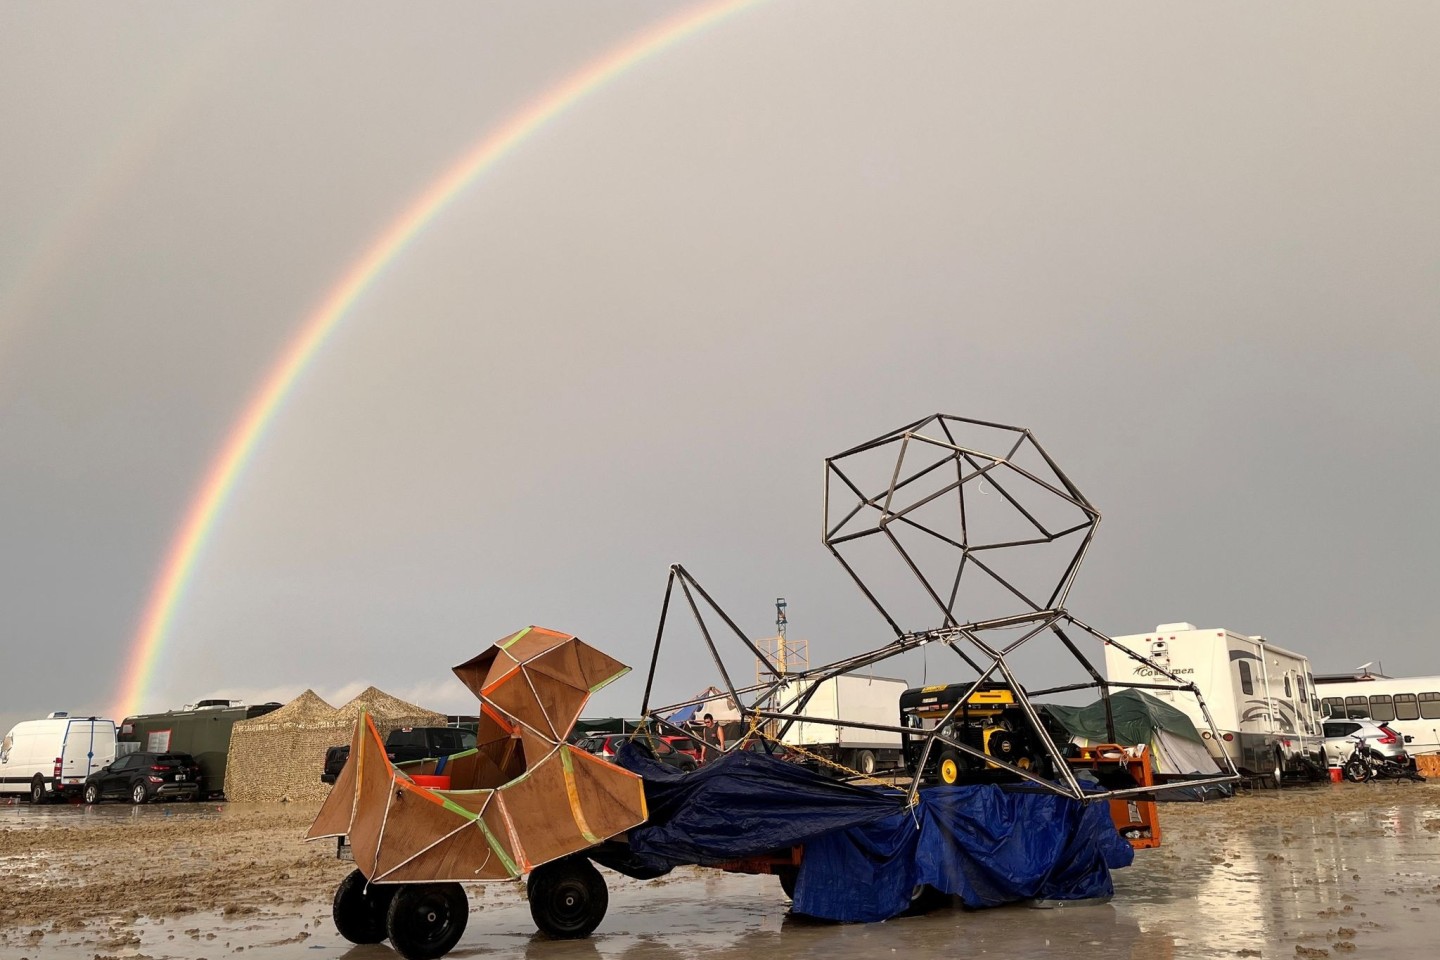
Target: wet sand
[{"x": 1336, "y": 870}]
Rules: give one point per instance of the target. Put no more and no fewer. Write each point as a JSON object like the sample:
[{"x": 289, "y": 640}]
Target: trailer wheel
[
  {"x": 568, "y": 898},
  {"x": 359, "y": 909},
  {"x": 1279, "y": 771},
  {"x": 950, "y": 767},
  {"x": 865, "y": 761},
  {"x": 787, "y": 877},
  {"x": 426, "y": 920},
  {"x": 923, "y": 899}
]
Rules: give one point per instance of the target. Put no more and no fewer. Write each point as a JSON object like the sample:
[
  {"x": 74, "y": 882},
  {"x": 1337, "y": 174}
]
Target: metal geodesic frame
[{"x": 935, "y": 465}]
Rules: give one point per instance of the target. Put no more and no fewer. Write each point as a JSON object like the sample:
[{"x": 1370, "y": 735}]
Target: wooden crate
[{"x": 1428, "y": 765}]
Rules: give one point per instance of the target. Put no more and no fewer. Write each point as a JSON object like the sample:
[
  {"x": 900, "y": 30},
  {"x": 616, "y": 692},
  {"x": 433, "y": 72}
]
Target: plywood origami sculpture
[{"x": 520, "y": 798}]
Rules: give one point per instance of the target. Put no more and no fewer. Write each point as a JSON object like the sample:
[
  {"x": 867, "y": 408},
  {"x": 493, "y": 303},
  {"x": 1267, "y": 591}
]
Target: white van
[{"x": 50, "y": 758}]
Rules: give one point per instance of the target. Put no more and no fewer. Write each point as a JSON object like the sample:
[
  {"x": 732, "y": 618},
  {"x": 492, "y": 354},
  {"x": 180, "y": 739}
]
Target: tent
[
  {"x": 280, "y": 755},
  {"x": 1176, "y": 747}
]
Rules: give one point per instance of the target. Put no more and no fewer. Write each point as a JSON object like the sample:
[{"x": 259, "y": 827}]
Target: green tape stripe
[
  {"x": 499, "y": 850},
  {"x": 515, "y": 639},
  {"x": 454, "y": 807},
  {"x": 609, "y": 680}
]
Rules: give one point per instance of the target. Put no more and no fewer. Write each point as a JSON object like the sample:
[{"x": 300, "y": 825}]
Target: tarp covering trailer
[{"x": 985, "y": 844}]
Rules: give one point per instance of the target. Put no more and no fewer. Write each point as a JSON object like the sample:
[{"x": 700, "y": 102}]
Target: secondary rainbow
[{"x": 226, "y": 468}]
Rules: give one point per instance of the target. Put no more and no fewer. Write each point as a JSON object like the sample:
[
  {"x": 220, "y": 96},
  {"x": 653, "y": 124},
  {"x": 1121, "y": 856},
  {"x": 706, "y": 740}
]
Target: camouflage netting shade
[
  {"x": 280, "y": 754},
  {"x": 520, "y": 798}
]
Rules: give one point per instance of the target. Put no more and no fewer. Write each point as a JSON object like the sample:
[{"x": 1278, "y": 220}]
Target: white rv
[
  {"x": 45, "y": 759},
  {"x": 850, "y": 697},
  {"x": 1261, "y": 696}
]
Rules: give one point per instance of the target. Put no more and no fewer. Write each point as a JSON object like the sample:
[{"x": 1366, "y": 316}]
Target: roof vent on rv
[
  {"x": 58, "y": 715},
  {"x": 1174, "y": 627}
]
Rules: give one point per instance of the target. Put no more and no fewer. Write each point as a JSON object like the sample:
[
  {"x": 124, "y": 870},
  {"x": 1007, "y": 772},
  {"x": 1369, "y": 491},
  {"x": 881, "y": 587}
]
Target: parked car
[
  {"x": 403, "y": 745},
  {"x": 605, "y": 745},
  {"x": 1340, "y": 737},
  {"x": 143, "y": 776},
  {"x": 689, "y": 746}
]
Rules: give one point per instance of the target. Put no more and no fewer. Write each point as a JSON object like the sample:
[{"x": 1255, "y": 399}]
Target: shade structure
[{"x": 520, "y": 798}]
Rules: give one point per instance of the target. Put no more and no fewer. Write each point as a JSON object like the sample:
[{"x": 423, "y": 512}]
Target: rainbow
[{"x": 225, "y": 470}]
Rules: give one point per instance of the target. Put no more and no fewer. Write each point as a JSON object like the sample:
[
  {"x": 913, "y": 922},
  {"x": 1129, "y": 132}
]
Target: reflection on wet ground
[
  {"x": 48, "y": 816},
  {"x": 1281, "y": 876}
]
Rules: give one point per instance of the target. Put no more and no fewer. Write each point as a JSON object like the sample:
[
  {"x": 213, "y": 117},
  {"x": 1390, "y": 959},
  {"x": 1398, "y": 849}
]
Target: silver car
[{"x": 1341, "y": 735}]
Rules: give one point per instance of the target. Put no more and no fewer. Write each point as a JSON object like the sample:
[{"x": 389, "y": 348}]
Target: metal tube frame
[{"x": 964, "y": 639}]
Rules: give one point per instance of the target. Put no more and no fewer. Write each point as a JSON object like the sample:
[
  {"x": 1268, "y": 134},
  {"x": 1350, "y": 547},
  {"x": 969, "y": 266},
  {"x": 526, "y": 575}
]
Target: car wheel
[
  {"x": 92, "y": 793},
  {"x": 865, "y": 762},
  {"x": 360, "y": 909},
  {"x": 426, "y": 920},
  {"x": 568, "y": 898},
  {"x": 137, "y": 793},
  {"x": 37, "y": 789}
]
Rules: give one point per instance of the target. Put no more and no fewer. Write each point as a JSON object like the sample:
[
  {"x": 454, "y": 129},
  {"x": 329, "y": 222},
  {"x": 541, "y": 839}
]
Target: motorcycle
[{"x": 1366, "y": 764}]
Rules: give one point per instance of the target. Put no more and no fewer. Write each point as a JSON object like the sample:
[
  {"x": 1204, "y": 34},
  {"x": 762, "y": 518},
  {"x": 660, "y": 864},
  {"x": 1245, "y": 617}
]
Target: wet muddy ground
[{"x": 1337, "y": 870}]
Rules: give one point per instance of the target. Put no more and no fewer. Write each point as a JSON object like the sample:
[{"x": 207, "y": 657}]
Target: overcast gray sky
[{"x": 1195, "y": 248}]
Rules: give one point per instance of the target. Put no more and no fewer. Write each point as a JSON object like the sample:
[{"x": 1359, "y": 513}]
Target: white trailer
[
  {"x": 849, "y": 697},
  {"x": 45, "y": 759},
  {"x": 1262, "y": 697}
]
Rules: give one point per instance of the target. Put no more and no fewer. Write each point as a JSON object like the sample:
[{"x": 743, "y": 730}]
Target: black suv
[{"x": 139, "y": 777}]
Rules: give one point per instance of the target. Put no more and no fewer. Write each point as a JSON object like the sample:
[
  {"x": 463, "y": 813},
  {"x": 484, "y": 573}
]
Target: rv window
[
  {"x": 1247, "y": 683},
  {"x": 1430, "y": 705},
  {"x": 1381, "y": 708},
  {"x": 1405, "y": 707},
  {"x": 1334, "y": 707},
  {"x": 1300, "y": 685},
  {"x": 1288, "y": 694},
  {"x": 5, "y": 748},
  {"x": 1357, "y": 708}
]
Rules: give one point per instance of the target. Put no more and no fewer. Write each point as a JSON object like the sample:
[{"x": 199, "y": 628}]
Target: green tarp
[{"x": 1137, "y": 715}]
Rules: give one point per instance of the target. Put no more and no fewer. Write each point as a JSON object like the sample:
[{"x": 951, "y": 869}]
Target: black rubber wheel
[
  {"x": 92, "y": 793},
  {"x": 1279, "y": 772},
  {"x": 865, "y": 762},
  {"x": 137, "y": 794},
  {"x": 923, "y": 899},
  {"x": 37, "y": 789},
  {"x": 426, "y": 920},
  {"x": 1356, "y": 771},
  {"x": 788, "y": 876},
  {"x": 359, "y": 908},
  {"x": 568, "y": 898},
  {"x": 950, "y": 767}
]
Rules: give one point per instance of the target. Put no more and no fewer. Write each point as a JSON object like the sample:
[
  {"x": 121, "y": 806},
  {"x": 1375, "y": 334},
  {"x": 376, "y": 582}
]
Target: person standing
[{"x": 714, "y": 737}]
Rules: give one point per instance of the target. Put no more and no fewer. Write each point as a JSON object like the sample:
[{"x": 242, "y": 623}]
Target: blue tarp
[
  {"x": 742, "y": 805},
  {"x": 985, "y": 844},
  {"x": 865, "y": 852},
  {"x": 684, "y": 714}
]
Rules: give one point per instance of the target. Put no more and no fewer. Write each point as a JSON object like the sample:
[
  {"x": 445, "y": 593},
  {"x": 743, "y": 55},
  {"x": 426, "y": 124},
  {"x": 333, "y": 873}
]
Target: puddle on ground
[{"x": 1293, "y": 877}]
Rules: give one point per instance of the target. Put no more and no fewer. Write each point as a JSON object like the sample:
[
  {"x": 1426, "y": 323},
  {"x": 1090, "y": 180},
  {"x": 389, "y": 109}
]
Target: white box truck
[
  {"x": 1260, "y": 695},
  {"x": 50, "y": 758},
  {"x": 849, "y": 697}
]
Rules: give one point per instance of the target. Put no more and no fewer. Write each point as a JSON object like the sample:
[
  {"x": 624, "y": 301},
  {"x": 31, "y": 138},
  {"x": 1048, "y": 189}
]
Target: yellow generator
[{"x": 990, "y": 721}]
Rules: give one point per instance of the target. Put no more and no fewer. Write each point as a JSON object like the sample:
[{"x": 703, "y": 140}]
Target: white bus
[
  {"x": 1260, "y": 695},
  {"x": 1408, "y": 705}
]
